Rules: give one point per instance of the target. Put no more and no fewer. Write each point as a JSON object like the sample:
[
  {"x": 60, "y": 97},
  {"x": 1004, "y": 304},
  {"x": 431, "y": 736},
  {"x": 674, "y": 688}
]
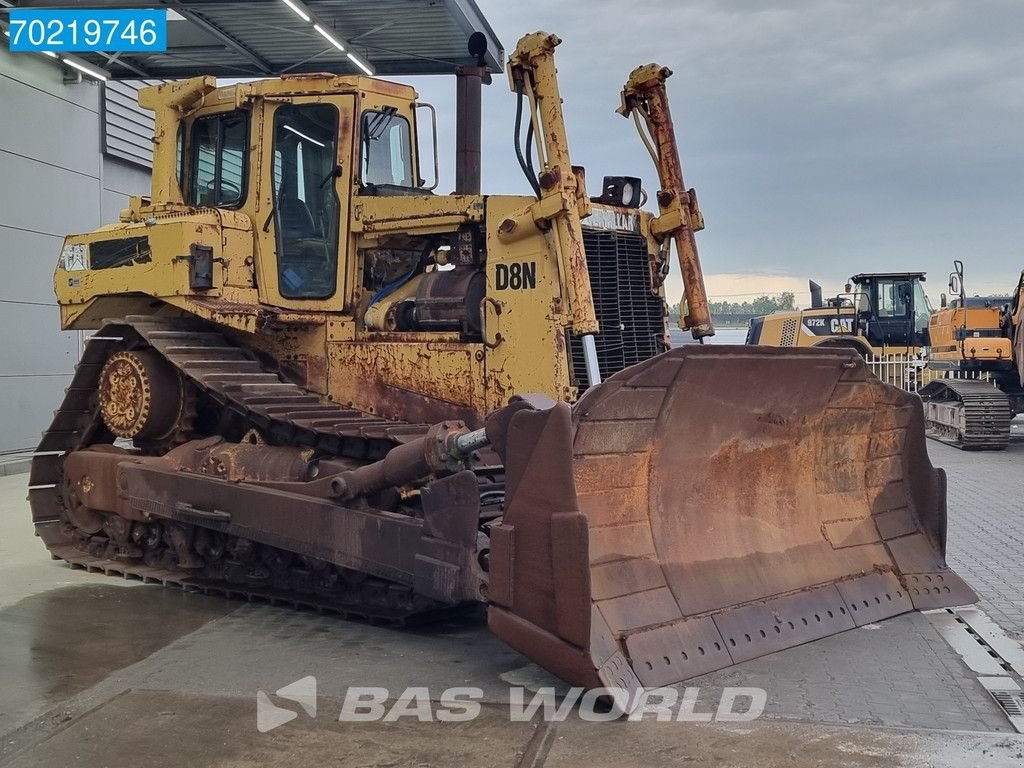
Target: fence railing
[{"x": 910, "y": 372}]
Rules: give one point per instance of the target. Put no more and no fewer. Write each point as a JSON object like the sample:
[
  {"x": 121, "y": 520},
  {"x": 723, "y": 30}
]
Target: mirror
[{"x": 419, "y": 145}]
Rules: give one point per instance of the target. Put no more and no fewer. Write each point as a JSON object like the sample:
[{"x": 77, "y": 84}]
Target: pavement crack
[{"x": 538, "y": 747}]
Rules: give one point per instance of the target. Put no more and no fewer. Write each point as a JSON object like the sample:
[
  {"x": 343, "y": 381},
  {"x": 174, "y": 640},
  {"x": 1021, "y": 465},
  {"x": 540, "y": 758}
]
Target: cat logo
[{"x": 842, "y": 325}]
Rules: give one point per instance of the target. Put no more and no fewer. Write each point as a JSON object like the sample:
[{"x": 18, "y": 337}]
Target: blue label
[{"x": 88, "y": 30}]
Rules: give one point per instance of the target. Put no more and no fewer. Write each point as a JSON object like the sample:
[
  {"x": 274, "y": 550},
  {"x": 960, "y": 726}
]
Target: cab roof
[
  {"x": 862, "y": 277},
  {"x": 314, "y": 84}
]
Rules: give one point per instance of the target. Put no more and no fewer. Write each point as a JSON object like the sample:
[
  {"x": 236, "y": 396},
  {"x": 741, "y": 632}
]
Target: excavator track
[
  {"x": 971, "y": 415},
  {"x": 258, "y": 399}
]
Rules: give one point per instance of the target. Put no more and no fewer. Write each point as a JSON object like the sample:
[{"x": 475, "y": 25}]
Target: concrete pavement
[
  {"x": 986, "y": 527},
  {"x": 105, "y": 672}
]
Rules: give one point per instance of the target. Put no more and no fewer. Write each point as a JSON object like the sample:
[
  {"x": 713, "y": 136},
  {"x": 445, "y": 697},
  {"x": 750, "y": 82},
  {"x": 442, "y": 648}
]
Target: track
[
  {"x": 284, "y": 414},
  {"x": 971, "y": 415}
]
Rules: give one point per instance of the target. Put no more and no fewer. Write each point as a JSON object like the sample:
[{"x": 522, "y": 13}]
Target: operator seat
[{"x": 296, "y": 219}]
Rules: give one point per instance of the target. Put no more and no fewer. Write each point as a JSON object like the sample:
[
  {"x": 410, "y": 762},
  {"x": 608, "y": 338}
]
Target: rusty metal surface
[
  {"x": 723, "y": 503},
  {"x": 140, "y": 395},
  {"x": 645, "y": 93},
  {"x": 245, "y": 461},
  {"x": 171, "y": 517},
  {"x": 468, "y": 86},
  {"x": 667, "y": 525}
]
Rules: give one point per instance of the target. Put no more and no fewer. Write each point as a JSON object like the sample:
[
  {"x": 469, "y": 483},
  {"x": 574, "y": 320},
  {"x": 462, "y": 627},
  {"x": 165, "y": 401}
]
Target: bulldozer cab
[{"x": 292, "y": 154}]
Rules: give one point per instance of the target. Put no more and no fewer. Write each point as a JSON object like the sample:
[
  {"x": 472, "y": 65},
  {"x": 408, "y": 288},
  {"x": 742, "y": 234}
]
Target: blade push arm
[{"x": 645, "y": 96}]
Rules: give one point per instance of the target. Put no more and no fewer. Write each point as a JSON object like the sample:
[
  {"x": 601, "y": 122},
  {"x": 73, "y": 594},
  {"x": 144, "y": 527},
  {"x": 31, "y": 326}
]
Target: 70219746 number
[{"x": 85, "y": 30}]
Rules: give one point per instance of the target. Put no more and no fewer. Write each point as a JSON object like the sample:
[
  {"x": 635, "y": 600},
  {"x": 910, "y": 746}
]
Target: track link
[
  {"x": 971, "y": 415},
  {"x": 170, "y": 576},
  {"x": 282, "y": 411}
]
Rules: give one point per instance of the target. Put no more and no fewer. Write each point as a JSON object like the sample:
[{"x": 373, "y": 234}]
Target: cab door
[
  {"x": 893, "y": 322},
  {"x": 304, "y": 227}
]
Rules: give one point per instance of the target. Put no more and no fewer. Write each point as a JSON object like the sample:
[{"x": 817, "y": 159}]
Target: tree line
[{"x": 762, "y": 305}]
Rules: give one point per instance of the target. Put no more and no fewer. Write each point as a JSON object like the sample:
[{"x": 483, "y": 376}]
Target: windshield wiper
[{"x": 380, "y": 124}]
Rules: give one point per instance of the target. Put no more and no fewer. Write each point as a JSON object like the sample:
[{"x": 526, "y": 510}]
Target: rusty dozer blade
[{"x": 712, "y": 505}]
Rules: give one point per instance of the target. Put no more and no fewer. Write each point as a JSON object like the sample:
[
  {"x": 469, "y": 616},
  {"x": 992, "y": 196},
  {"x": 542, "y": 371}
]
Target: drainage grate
[
  {"x": 989, "y": 652},
  {"x": 1008, "y": 696},
  {"x": 1011, "y": 702}
]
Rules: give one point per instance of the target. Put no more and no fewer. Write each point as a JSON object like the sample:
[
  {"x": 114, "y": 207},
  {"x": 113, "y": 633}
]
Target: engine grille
[
  {"x": 788, "y": 333},
  {"x": 629, "y": 314}
]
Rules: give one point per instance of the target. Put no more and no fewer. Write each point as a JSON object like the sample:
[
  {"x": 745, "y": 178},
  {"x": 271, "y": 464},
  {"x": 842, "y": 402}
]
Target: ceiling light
[
  {"x": 302, "y": 14},
  {"x": 86, "y": 69},
  {"x": 360, "y": 64},
  {"x": 303, "y": 136},
  {"x": 328, "y": 37},
  {"x": 51, "y": 54}
]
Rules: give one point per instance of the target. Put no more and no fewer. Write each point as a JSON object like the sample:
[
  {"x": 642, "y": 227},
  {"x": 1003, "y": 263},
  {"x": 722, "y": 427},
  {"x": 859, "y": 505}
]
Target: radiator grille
[
  {"x": 629, "y": 314},
  {"x": 788, "y": 333}
]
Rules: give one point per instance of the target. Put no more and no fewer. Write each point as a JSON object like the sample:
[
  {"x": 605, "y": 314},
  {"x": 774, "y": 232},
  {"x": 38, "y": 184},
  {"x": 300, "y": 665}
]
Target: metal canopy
[{"x": 265, "y": 38}]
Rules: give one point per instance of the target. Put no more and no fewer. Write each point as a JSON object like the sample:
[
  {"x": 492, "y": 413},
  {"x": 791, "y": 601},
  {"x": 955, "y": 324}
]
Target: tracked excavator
[
  {"x": 976, "y": 337},
  {"x": 312, "y": 380}
]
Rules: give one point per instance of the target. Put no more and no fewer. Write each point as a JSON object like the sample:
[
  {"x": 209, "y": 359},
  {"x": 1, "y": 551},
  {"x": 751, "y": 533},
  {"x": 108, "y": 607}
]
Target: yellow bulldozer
[
  {"x": 977, "y": 345},
  {"x": 314, "y": 381}
]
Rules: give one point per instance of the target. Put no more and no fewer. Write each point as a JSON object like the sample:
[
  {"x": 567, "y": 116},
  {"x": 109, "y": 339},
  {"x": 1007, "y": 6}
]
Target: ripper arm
[{"x": 644, "y": 96}]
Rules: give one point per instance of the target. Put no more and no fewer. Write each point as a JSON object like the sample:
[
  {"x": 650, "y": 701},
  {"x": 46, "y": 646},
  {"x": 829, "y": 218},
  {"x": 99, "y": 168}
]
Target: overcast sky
[{"x": 824, "y": 137}]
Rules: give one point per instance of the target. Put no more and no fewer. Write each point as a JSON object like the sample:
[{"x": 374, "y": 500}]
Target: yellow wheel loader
[
  {"x": 879, "y": 313},
  {"x": 978, "y": 345},
  {"x": 313, "y": 380}
]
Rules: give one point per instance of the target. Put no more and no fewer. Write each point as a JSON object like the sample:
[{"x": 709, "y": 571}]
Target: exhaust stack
[
  {"x": 815, "y": 289},
  {"x": 468, "y": 117}
]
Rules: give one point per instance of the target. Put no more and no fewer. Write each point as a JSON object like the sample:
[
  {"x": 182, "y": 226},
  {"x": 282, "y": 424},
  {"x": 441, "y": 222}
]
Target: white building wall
[{"x": 54, "y": 180}]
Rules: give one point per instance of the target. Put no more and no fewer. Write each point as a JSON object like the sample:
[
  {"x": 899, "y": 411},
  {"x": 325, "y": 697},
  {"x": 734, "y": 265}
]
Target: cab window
[
  {"x": 386, "y": 148},
  {"x": 179, "y": 155},
  {"x": 922, "y": 307},
  {"x": 220, "y": 156},
  {"x": 306, "y": 207},
  {"x": 894, "y": 298}
]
